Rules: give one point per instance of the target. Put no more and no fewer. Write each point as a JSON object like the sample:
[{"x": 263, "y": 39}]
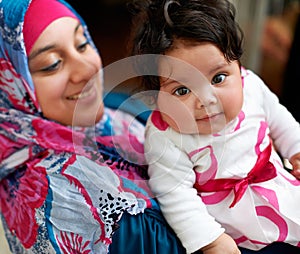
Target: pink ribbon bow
[{"x": 263, "y": 171}]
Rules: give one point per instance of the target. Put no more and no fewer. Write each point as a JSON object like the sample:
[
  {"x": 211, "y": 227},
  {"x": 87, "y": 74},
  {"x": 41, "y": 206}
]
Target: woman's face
[
  {"x": 66, "y": 72},
  {"x": 201, "y": 92}
]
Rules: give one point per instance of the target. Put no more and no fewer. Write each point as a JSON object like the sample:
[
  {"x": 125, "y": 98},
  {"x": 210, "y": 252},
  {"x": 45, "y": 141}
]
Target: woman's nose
[{"x": 82, "y": 68}]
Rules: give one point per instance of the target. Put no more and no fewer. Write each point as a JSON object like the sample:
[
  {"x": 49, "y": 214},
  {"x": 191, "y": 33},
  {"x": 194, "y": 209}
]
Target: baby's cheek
[
  {"x": 232, "y": 105},
  {"x": 178, "y": 115}
]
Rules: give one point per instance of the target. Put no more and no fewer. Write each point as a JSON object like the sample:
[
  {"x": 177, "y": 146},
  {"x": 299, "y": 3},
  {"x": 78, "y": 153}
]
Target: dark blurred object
[
  {"x": 109, "y": 23},
  {"x": 276, "y": 41},
  {"x": 290, "y": 89},
  {"x": 274, "y": 248}
]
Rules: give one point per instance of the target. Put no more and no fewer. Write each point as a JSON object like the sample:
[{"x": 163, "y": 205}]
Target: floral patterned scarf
[{"x": 62, "y": 190}]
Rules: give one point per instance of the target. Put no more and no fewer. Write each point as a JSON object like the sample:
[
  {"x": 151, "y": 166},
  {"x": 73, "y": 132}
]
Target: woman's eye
[
  {"x": 82, "y": 47},
  {"x": 218, "y": 79},
  {"x": 181, "y": 91},
  {"x": 52, "y": 67}
]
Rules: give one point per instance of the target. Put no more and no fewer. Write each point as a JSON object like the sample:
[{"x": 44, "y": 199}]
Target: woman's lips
[{"x": 86, "y": 92}]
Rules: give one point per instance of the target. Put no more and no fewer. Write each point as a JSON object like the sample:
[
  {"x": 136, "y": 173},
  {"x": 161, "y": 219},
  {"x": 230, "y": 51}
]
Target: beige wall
[
  {"x": 3, "y": 243},
  {"x": 251, "y": 15}
]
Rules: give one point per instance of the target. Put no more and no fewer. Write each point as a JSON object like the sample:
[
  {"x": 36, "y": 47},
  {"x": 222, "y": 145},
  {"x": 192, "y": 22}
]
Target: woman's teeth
[{"x": 80, "y": 96}]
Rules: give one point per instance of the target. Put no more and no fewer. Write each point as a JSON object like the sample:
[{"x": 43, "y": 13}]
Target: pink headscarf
[{"x": 39, "y": 15}]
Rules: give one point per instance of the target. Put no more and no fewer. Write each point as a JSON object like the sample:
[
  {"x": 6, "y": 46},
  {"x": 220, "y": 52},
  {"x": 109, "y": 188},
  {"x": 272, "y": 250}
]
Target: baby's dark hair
[{"x": 158, "y": 23}]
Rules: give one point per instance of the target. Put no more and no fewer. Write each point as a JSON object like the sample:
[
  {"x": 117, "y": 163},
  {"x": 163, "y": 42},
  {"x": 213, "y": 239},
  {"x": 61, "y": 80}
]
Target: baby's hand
[
  {"x": 223, "y": 245},
  {"x": 295, "y": 161}
]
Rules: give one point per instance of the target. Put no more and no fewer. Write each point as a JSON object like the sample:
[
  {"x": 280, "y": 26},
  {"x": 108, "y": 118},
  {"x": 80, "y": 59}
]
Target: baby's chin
[{"x": 196, "y": 128}]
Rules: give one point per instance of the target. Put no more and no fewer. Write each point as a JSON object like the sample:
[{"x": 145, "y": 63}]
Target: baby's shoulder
[{"x": 155, "y": 121}]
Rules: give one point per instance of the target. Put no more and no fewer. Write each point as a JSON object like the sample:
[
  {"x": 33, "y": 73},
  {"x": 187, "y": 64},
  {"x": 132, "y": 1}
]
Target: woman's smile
[{"x": 85, "y": 93}]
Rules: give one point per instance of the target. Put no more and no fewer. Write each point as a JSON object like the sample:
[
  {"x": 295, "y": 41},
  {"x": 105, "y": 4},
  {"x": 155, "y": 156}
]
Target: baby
[{"x": 215, "y": 141}]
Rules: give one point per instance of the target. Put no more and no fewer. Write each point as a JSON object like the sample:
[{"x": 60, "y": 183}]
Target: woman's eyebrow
[
  {"x": 77, "y": 27},
  {"x": 48, "y": 47},
  {"x": 40, "y": 51}
]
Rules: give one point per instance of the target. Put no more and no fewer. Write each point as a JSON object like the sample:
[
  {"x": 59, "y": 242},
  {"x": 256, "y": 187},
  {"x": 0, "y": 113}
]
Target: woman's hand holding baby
[
  {"x": 222, "y": 245},
  {"x": 295, "y": 161}
]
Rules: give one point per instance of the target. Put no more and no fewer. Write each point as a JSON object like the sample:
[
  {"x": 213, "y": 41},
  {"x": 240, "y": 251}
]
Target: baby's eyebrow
[
  {"x": 217, "y": 67},
  {"x": 171, "y": 81},
  {"x": 166, "y": 81}
]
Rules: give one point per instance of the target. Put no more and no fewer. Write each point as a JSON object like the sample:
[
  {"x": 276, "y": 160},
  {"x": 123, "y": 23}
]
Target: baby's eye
[
  {"x": 218, "y": 79},
  {"x": 82, "y": 47},
  {"x": 181, "y": 91},
  {"x": 52, "y": 67}
]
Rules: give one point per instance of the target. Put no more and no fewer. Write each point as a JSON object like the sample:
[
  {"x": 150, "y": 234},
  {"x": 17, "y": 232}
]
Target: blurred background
[
  {"x": 268, "y": 25},
  {"x": 271, "y": 41},
  {"x": 271, "y": 28}
]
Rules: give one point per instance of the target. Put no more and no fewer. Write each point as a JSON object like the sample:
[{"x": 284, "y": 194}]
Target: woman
[{"x": 72, "y": 172}]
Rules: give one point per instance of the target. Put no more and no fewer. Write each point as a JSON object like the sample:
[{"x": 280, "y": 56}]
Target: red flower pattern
[
  {"x": 21, "y": 193},
  {"x": 73, "y": 244}
]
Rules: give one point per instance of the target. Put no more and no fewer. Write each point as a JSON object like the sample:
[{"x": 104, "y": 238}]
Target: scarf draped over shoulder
[{"x": 62, "y": 189}]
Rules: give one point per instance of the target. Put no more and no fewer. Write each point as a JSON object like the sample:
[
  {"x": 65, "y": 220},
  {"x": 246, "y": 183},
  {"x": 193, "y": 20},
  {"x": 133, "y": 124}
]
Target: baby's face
[
  {"x": 66, "y": 72},
  {"x": 200, "y": 91}
]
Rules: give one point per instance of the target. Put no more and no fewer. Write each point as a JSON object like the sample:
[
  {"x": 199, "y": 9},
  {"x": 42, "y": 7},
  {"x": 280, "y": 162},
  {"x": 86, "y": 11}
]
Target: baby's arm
[
  {"x": 284, "y": 129},
  {"x": 295, "y": 161},
  {"x": 172, "y": 179},
  {"x": 222, "y": 245}
]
